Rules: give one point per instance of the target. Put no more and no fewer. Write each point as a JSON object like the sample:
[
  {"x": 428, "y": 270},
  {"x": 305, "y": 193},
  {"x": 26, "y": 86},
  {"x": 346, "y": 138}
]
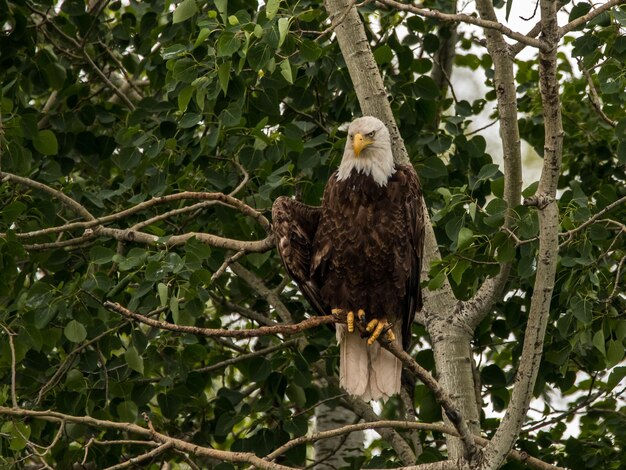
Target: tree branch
[
  {"x": 511, "y": 424},
  {"x": 463, "y": 18},
  {"x": 65, "y": 200},
  {"x": 450, "y": 409},
  {"x": 10, "y": 334},
  {"x": 593, "y": 95},
  {"x": 221, "y": 198},
  {"x": 212, "y": 332},
  {"x": 474, "y": 311},
  {"x": 178, "y": 444},
  {"x": 581, "y": 20}
]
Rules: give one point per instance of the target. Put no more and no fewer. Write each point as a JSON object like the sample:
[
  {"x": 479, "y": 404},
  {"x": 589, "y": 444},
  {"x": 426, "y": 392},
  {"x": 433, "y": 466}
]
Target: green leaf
[
  {"x": 185, "y": 10},
  {"x": 598, "y": 341},
  {"x": 493, "y": 375},
  {"x": 162, "y": 289},
  {"x": 426, "y": 88},
  {"x": 184, "y": 97},
  {"x": 227, "y": 44},
  {"x": 202, "y": 35},
  {"x": 75, "y": 331},
  {"x": 223, "y": 75},
  {"x": 283, "y": 29},
  {"x": 221, "y": 6},
  {"x": 437, "y": 281},
  {"x": 134, "y": 360},
  {"x": 581, "y": 308},
  {"x": 259, "y": 55},
  {"x": 18, "y": 433},
  {"x": 621, "y": 152},
  {"x": 127, "y": 411},
  {"x": 509, "y": 4},
  {"x": 189, "y": 120},
  {"x": 271, "y": 8},
  {"x": 616, "y": 377},
  {"x": 465, "y": 238},
  {"x": 615, "y": 352},
  {"x": 620, "y": 16},
  {"x": 440, "y": 143},
  {"x": 45, "y": 142},
  {"x": 285, "y": 71},
  {"x": 383, "y": 54},
  {"x": 11, "y": 212}
]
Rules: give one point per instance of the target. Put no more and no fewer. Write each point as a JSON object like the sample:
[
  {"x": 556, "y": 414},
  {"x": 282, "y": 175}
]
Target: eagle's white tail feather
[
  {"x": 353, "y": 362},
  {"x": 369, "y": 372}
]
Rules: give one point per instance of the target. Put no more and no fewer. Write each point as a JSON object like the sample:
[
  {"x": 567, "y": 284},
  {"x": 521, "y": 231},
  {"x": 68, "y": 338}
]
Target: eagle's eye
[
  {"x": 370, "y": 134},
  {"x": 351, "y": 137}
]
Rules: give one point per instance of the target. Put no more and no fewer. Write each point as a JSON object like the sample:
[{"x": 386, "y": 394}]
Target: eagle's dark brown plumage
[{"x": 361, "y": 251}]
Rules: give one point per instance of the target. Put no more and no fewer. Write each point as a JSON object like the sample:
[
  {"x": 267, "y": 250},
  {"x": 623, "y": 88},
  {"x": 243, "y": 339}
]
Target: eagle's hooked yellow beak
[{"x": 359, "y": 143}]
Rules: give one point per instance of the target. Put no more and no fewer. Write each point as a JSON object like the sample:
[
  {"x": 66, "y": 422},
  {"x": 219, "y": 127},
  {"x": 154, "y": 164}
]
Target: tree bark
[
  {"x": 544, "y": 201},
  {"x": 332, "y": 453}
]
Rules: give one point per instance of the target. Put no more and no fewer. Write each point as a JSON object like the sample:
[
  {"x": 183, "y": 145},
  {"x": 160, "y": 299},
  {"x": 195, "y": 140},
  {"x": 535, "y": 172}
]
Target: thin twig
[
  {"x": 10, "y": 334},
  {"x": 593, "y": 95},
  {"x": 134, "y": 461},
  {"x": 227, "y": 262}
]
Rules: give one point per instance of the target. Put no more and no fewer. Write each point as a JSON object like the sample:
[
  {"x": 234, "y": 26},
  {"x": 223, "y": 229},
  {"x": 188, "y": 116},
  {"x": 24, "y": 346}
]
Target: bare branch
[
  {"x": 92, "y": 221},
  {"x": 519, "y": 47},
  {"x": 593, "y": 95},
  {"x": 140, "y": 458},
  {"x": 544, "y": 200},
  {"x": 244, "y": 357},
  {"x": 66, "y": 200},
  {"x": 477, "y": 308},
  {"x": 581, "y": 20},
  {"x": 463, "y": 18},
  {"x": 178, "y": 444},
  {"x": 440, "y": 395},
  {"x": 357, "y": 427},
  {"x": 594, "y": 218},
  {"x": 290, "y": 329},
  {"x": 10, "y": 334}
]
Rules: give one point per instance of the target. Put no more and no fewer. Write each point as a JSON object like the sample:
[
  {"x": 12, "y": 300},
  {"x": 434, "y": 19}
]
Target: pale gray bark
[
  {"x": 504, "y": 83},
  {"x": 331, "y": 454},
  {"x": 544, "y": 200}
]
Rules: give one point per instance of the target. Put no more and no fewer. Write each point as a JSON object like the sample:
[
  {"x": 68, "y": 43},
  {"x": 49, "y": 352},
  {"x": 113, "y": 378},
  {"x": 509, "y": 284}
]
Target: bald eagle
[{"x": 360, "y": 254}]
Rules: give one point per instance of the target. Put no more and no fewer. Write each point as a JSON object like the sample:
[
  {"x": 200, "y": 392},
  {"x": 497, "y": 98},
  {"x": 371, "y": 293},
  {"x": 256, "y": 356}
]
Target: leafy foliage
[{"x": 113, "y": 104}]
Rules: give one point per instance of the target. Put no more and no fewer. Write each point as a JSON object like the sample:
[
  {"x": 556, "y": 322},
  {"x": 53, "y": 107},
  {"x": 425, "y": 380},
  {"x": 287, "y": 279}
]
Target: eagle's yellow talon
[
  {"x": 336, "y": 311},
  {"x": 371, "y": 325},
  {"x": 377, "y": 332},
  {"x": 350, "y": 321},
  {"x": 361, "y": 315}
]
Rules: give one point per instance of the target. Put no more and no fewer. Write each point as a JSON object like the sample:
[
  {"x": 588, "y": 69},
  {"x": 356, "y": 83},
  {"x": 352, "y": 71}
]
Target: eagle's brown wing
[
  {"x": 294, "y": 226},
  {"x": 414, "y": 207}
]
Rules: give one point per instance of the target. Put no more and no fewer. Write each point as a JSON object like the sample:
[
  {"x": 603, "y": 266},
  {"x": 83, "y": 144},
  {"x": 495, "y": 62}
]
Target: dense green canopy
[{"x": 108, "y": 105}]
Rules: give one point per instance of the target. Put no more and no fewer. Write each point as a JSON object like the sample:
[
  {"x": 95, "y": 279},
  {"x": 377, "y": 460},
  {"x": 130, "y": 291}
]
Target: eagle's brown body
[{"x": 361, "y": 250}]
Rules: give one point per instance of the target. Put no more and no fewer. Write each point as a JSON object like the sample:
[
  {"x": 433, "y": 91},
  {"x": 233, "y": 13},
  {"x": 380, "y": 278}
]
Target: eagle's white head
[{"x": 368, "y": 151}]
